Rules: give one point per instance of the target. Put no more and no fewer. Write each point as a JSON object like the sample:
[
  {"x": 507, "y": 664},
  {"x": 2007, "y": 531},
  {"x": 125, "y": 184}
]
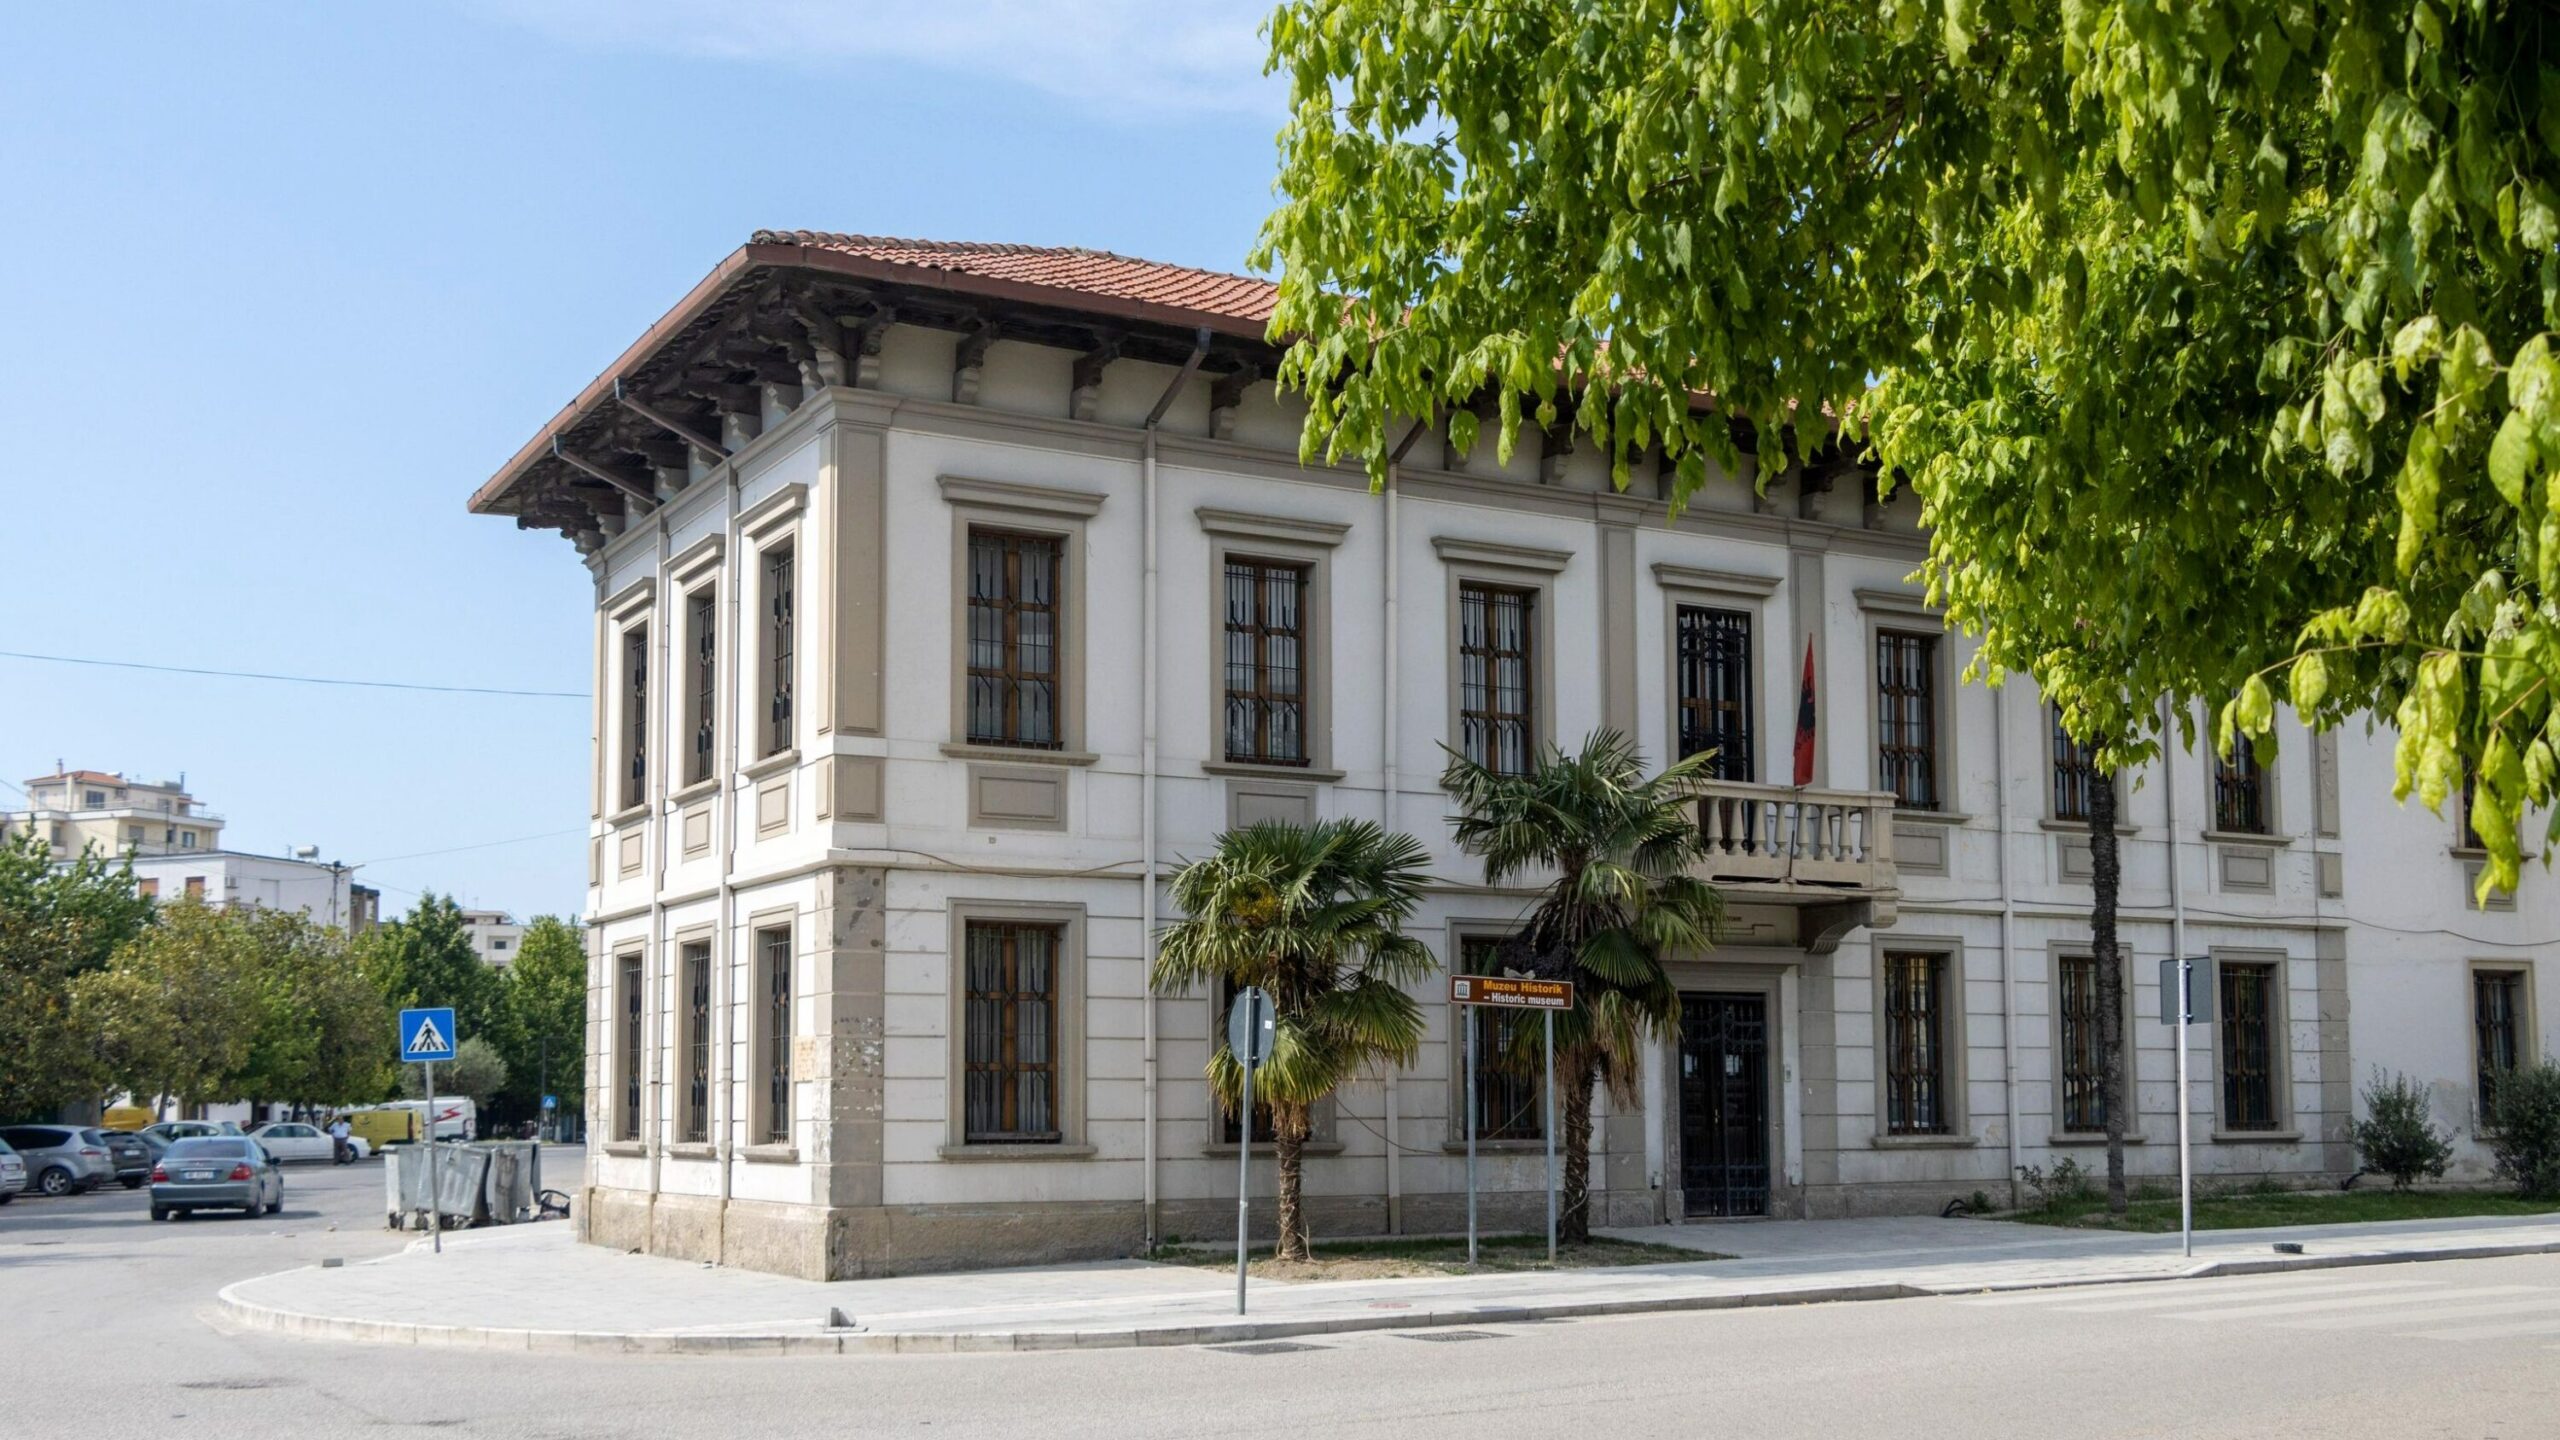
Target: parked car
[
  {"x": 13, "y": 1173},
  {"x": 158, "y": 1145},
  {"x": 132, "y": 1156},
  {"x": 290, "y": 1140},
  {"x": 61, "y": 1159},
  {"x": 216, "y": 1172},
  {"x": 171, "y": 1131}
]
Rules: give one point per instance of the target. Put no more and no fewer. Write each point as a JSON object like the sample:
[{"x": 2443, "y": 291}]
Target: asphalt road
[{"x": 103, "y": 1329}]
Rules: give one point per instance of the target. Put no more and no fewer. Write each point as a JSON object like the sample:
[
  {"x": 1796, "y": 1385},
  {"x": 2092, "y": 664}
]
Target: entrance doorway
[{"x": 1724, "y": 1104}]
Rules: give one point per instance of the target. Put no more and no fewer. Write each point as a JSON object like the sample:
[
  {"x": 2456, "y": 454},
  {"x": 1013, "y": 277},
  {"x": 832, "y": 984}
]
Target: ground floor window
[
  {"x": 1010, "y": 1034},
  {"x": 697, "y": 1042},
  {"x": 1510, "y": 1101},
  {"x": 1915, "y": 1005},
  {"x": 774, "y": 947},
  {"x": 2080, "y": 1062},
  {"x": 628, "y": 1116},
  {"x": 2498, "y": 1021},
  {"x": 2249, "y": 1047}
]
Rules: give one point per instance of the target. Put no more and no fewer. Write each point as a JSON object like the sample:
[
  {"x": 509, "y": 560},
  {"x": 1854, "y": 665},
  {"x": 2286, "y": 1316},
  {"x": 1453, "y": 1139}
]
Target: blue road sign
[
  {"x": 427, "y": 1034},
  {"x": 550, "y": 1102}
]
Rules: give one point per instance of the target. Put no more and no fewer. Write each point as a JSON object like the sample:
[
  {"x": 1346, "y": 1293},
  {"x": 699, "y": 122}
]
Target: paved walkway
[{"x": 534, "y": 1287}]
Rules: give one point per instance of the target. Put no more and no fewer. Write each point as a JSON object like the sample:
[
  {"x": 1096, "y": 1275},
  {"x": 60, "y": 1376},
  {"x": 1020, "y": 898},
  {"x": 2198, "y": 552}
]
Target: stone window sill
[
  {"x": 2257, "y": 1137},
  {"x": 627, "y": 1149},
  {"x": 693, "y": 1150},
  {"x": 2074, "y": 1137},
  {"x": 1930, "y": 817},
  {"x": 2244, "y": 837},
  {"x": 1925, "y": 1142},
  {"x": 694, "y": 791},
  {"x": 628, "y": 815},
  {"x": 1018, "y": 756},
  {"x": 2083, "y": 827},
  {"x": 775, "y": 763},
  {"x": 1265, "y": 1147},
  {"x": 1501, "y": 1147},
  {"x": 1016, "y": 1152},
  {"x": 770, "y": 1154},
  {"x": 1256, "y": 770}
]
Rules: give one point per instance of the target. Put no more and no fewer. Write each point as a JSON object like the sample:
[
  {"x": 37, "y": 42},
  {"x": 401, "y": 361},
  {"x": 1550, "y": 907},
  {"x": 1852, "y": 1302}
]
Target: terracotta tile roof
[
  {"x": 1070, "y": 269},
  {"x": 81, "y": 777}
]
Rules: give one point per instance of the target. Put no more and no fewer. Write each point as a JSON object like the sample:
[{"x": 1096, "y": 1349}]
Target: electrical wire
[
  {"x": 459, "y": 849},
  {"x": 296, "y": 679}
]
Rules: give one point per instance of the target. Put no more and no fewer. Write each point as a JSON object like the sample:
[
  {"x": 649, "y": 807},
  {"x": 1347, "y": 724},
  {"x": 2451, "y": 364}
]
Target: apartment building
[
  {"x": 75, "y": 810},
  {"x": 494, "y": 935},
  {"x": 948, "y": 597}
]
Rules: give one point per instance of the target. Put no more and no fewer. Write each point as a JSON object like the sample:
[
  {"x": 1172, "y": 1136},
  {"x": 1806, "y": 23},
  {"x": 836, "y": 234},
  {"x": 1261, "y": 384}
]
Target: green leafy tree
[
  {"x": 545, "y": 997},
  {"x": 177, "y": 1011},
  {"x": 323, "y": 1030},
  {"x": 1620, "y": 848},
  {"x": 425, "y": 958},
  {"x": 2216, "y": 337},
  {"x": 476, "y": 1071},
  {"x": 1314, "y": 915},
  {"x": 57, "y": 923}
]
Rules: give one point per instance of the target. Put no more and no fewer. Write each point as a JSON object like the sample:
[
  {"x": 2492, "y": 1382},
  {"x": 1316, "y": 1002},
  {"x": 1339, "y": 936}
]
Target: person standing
[{"x": 339, "y": 1150}]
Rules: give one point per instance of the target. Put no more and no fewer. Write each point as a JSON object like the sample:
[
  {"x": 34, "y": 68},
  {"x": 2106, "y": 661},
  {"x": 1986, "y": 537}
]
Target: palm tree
[
  {"x": 1314, "y": 915},
  {"x": 1621, "y": 848}
]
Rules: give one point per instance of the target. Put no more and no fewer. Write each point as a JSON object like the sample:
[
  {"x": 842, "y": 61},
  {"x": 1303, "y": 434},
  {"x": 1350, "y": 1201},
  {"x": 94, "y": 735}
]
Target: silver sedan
[{"x": 225, "y": 1172}]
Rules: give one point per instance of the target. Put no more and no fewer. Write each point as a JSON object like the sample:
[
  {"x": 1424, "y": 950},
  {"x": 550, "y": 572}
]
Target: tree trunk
[
  {"x": 1573, "y": 1207},
  {"x": 2105, "y": 875},
  {"x": 1289, "y": 1131}
]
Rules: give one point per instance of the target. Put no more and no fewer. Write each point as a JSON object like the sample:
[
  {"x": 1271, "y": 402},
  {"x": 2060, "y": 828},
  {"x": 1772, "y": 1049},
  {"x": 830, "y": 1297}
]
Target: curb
[{"x": 249, "y": 1315}]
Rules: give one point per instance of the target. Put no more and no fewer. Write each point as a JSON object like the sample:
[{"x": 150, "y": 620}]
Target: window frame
[
  {"x": 1688, "y": 587},
  {"x": 778, "y": 646},
  {"x": 1040, "y": 510},
  {"x": 1954, "y": 1041},
  {"x": 2059, "y": 955},
  {"x": 2285, "y": 1127},
  {"x": 1069, "y": 1030},
  {"x": 1909, "y": 613},
  {"x": 1462, "y": 937},
  {"x": 770, "y": 1059},
  {"x": 1504, "y": 567},
  {"x": 630, "y": 1031},
  {"x": 2062, "y": 751},
  {"x": 2522, "y": 1014},
  {"x": 702, "y": 690},
  {"x": 2222, "y": 772},
  {"x": 696, "y": 1004},
  {"x": 1746, "y": 708},
  {"x": 1017, "y": 549},
  {"x": 631, "y": 715},
  {"x": 1273, "y": 540},
  {"x": 1932, "y": 713}
]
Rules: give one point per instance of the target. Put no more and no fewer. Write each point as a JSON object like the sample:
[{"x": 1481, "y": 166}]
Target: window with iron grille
[
  {"x": 1014, "y": 661},
  {"x": 2470, "y": 795},
  {"x": 2240, "y": 791},
  {"x": 2249, "y": 1047},
  {"x": 635, "y": 716},
  {"x": 1915, "y": 1044},
  {"x": 1497, "y": 716},
  {"x": 1266, "y": 695},
  {"x": 775, "y": 944},
  {"x": 2075, "y": 773},
  {"x": 1715, "y": 688},
  {"x": 1229, "y": 1131},
  {"x": 2497, "y": 1018},
  {"x": 697, "y": 1042},
  {"x": 1010, "y": 1032},
  {"x": 1510, "y": 1105},
  {"x": 701, "y": 623},
  {"x": 2081, "y": 1066},
  {"x": 780, "y": 619},
  {"x": 633, "y": 1062},
  {"x": 1907, "y": 718}
]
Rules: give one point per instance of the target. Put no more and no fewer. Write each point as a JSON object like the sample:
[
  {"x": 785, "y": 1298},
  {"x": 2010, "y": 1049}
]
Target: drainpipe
[
  {"x": 725, "y": 942},
  {"x": 657, "y": 832},
  {"x": 2008, "y": 922},
  {"x": 1389, "y": 774},
  {"x": 1147, "y": 687}
]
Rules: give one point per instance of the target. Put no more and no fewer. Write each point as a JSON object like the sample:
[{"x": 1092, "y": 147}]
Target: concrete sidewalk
[{"x": 536, "y": 1288}]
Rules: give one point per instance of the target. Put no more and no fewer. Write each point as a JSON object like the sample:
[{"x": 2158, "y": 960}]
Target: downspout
[
  {"x": 658, "y": 651},
  {"x": 734, "y": 581},
  {"x": 1147, "y": 687},
  {"x": 1390, "y": 775},
  {"x": 2008, "y": 924}
]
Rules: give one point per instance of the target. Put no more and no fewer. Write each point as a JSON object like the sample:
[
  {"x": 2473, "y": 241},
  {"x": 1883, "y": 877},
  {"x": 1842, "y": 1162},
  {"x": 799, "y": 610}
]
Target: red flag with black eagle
[{"x": 1804, "y": 721}]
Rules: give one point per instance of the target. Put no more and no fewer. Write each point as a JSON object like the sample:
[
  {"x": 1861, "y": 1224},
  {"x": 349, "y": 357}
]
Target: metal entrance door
[{"x": 1724, "y": 1104}]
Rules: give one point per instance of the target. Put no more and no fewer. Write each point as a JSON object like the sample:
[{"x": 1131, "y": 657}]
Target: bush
[
  {"x": 2066, "y": 1184},
  {"x": 2524, "y": 1126},
  {"x": 2398, "y": 1136}
]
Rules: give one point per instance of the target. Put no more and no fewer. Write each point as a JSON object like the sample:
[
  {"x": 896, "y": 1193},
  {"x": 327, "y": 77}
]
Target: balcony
[{"x": 1826, "y": 854}]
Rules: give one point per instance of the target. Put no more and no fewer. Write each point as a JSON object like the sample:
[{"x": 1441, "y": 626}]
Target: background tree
[
  {"x": 324, "y": 1035},
  {"x": 545, "y": 999},
  {"x": 425, "y": 958},
  {"x": 1619, "y": 847},
  {"x": 176, "y": 1011},
  {"x": 2224, "y": 324},
  {"x": 1315, "y": 916},
  {"x": 476, "y": 1070},
  {"x": 56, "y": 925}
]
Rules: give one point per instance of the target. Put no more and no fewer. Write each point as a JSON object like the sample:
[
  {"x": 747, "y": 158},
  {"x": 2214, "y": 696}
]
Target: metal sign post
[
  {"x": 427, "y": 1036},
  {"x": 1251, "y": 1026},
  {"x": 2178, "y": 1008},
  {"x": 1505, "y": 992}
]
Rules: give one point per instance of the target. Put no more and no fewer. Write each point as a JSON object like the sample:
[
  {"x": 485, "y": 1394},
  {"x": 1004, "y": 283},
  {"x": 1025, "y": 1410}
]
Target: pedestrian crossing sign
[{"x": 427, "y": 1034}]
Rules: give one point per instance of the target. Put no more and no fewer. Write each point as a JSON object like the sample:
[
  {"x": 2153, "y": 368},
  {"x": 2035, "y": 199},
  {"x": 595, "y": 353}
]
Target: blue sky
[{"x": 281, "y": 283}]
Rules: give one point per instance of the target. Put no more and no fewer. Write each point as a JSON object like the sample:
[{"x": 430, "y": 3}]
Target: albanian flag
[{"x": 1804, "y": 721}]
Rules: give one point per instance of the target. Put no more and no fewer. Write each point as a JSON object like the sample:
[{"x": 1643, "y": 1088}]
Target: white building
[
  {"x": 76, "y": 810},
  {"x": 325, "y": 892},
  {"x": 944, "y": 594},
  {"x": 494, "y": 934}
]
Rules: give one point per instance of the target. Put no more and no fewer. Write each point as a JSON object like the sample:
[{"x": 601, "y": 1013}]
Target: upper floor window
[
  {"x": 635, "y": 715},
  {"x": 702, "y": 693},
  {"x": 2240, "y": 791},
  {"x": 1014, "y": 661},
  {"x": 94, "y": 799},
  {"x": 2075, "y": 774},
  {"x": 781, "y": 620},
  {"x": 1497, "y": 698},
  {"x": 1266, "y": 662},
  {"x": 1715, "y": 688},
  {"x": 1907, "y": 718}
]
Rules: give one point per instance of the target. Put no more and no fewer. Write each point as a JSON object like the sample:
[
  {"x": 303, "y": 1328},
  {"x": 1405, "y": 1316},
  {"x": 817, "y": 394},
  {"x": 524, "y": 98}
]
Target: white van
[{"x": 455, "y": 1118}]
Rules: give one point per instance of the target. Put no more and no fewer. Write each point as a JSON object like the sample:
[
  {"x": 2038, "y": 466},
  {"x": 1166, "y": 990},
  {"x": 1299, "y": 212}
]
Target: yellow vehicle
[
  {"x": 386, "y": 1126},
  {"x": 126, "y": 1117}
]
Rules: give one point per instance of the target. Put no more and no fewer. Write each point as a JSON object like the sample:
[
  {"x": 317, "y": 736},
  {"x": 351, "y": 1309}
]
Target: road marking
[
  {"x": 2452, "y": 1302},
  {"x": 2546, "y": 1301},
  {"x": 2191, "y": 1299},
  {"x": 2507, "y": 1331},
  {"x": 2083, "y": 1294}
]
